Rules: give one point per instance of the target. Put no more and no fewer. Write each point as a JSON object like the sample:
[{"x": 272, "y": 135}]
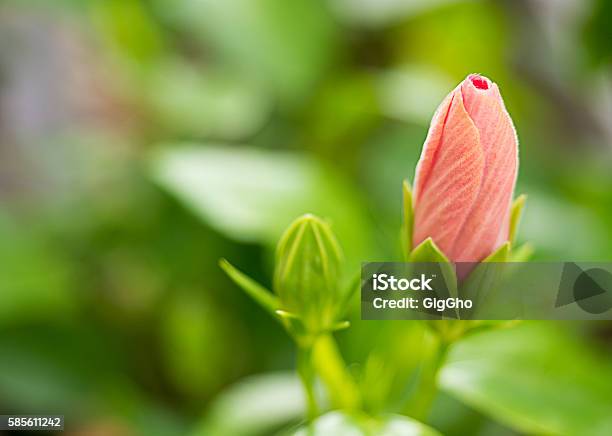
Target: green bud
[{"x": 306, "y": 277}]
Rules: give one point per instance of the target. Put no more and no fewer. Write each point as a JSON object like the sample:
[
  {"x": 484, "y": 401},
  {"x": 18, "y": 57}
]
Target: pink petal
[
  {"x": 486, "y": 227},
  {"x": 449, "y": 175},
  {"x": 430, "y": 147}
]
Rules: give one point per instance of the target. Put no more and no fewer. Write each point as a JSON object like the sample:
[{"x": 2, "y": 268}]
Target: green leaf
[
  {"x": 538, "y": 378},
  {"x": 408, "y": 217},
  {"x": 550, "y": 221},
  {"x": 252, "y": 195},
  {"x": 189, "y": 102},
  {"x": 378, "y": 15},
  {"x": 343, "y": 424},
  {"x": 336, "y": 423},
  {"x": 515, "y": 216},
  {"x": 254, "y": 406},
  {"x": 396, "y": 425},
  {"x": 284, "y": 47},
  {"x": 261, "y": 295},
  {"x": 411, "y": 92}
]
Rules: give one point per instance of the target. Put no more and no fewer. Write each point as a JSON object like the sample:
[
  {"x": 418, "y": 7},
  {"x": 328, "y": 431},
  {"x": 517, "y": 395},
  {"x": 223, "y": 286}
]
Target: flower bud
[
  {"x": 466, "y": 174},
  {"x": 306, "y": 277}
]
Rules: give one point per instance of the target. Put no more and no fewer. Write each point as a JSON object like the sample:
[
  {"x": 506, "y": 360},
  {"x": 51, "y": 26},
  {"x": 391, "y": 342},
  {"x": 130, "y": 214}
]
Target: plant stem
[
  {"x": 427, "y": 386},
  {"x": 329, "y": 364},
  {"x": 307, "y": 375}
]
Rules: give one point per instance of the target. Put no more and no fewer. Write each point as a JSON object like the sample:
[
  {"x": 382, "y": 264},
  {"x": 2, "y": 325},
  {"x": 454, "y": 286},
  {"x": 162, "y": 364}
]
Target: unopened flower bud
[
  {"x": 306, "y": 277},
  {"x": 466, "y": 175}
]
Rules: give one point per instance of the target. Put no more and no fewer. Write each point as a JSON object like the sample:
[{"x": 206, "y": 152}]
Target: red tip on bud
[{"x": 479, "y": 82}]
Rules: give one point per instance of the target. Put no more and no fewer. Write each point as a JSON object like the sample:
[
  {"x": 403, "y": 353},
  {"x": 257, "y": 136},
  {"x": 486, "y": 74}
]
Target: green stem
[
  {"x": 307, "y": 375},
  {"x": 330, "y": 366},
  {"x": 427, "y": 385}
]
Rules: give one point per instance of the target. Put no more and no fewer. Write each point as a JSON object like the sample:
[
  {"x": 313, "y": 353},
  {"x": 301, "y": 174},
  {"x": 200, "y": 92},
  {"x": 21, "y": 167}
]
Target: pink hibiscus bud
[{"x": 466, "y": 174}]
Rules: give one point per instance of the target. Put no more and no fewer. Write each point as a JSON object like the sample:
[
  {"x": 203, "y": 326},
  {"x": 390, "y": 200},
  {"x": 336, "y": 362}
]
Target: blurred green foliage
[{"x": 141, "y": 141}]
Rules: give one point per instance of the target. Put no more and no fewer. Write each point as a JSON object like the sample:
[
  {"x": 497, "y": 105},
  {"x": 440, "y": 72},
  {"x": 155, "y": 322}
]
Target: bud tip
[{"x": 479, "y": 82}]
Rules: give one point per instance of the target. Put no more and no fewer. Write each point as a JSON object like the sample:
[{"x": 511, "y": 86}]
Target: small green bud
[{"x": 306, "y": 277}]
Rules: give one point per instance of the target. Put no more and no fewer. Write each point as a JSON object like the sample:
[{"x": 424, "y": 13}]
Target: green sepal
[
  {"x": 298, "y": 330},
  {"x": 340, "y": 325},
  {"x": 522, "y": 253},
  {"x": 500, "y": 255},
  {"x": 287, "y": 315},
  {"x": 485, "y": 276},
  {"x": 292, "y": 323},
  {"x": 515, "y": 216},
  {"x": 408, "y": 223},
  {"x": 428, "y": 252},
  {"x": 257, "y": 292}
]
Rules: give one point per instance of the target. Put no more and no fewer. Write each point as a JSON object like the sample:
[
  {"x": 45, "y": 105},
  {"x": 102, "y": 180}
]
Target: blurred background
[{"x": 142, "y": 141}]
